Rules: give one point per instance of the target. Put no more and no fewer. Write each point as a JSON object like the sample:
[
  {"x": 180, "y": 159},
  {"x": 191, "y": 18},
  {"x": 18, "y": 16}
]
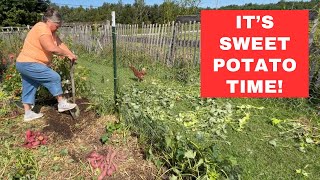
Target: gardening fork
[{"x": 75, "y": 112}]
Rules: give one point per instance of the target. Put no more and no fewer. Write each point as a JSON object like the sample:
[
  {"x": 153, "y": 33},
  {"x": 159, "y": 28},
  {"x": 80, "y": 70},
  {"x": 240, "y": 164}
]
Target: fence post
[{"x": 115, "y": 85}]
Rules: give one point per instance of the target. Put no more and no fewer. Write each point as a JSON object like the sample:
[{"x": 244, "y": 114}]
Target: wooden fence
[{"x": 169, "y": 43}]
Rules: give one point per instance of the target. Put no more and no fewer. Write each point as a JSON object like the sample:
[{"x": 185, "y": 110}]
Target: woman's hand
[{"x": 72, "y": 57}]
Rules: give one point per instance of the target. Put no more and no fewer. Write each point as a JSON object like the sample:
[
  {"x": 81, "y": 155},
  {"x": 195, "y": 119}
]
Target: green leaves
[
  {"x": 18, "y": 13},
  {"x": 302, "y": 129},
  {"x": 273, "y": 142},
  {"x": 243, "y": 121},
  {"x": 64, "y": 152},
  {"x": 275, "y": 121},
  {"x": 165, "y": 117},
  {"x": 22, "y": 162},
  {"x": 303, "y": 171},
  {"x": 179, "y": 120},
  {"x": 12, "y": 81},
  {"x": 190, "y": 154},
  {"x": 105, "y": 138},
  {"x": 309, "y": 140},
  {"x": 111, "y": 127}
]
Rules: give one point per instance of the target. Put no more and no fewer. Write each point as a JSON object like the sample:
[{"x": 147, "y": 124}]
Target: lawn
[{"x": 266, "y": 151}]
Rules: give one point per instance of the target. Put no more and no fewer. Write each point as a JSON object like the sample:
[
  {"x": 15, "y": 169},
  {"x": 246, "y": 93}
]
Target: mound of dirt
[{"x": 63, "y": 125}]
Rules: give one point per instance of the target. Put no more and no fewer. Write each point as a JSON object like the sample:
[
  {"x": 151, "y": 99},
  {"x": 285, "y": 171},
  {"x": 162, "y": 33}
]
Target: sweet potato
[{"x": 40, "y": 138}]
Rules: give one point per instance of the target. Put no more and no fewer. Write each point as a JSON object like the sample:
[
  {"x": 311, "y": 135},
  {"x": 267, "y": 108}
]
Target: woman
[{"x": 33, "y": 63}]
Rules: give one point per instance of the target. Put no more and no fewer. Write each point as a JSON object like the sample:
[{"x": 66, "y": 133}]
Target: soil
[
  {"x": 63, "y": 124},
  {"x": 80, "y": 137}
]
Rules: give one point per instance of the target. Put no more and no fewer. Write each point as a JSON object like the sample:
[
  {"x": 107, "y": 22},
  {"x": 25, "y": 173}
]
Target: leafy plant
[
  {"x": 25, "y": 166},
  {"x": 63, "y": 66},
  {"x": 111, "y": 127},
  {"x": 302, "y": 130},
  {"x": 178, "y": 128},
  {"x": 5, "y": 106},
  {"x": 12, "y": 81},
  {"x": 303, "y": 172}
]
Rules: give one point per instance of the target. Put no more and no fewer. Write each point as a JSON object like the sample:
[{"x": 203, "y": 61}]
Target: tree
[
  {"x": 18, "y": 13},
  {"x": 168, "y": 7},
  {"x": 139, "y": 11},
  {"x": 190, "y": 3}
]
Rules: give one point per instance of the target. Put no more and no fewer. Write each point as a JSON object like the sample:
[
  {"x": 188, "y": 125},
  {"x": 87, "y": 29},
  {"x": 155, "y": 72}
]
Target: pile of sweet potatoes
[
  {"x": 104, "y": 162},
  {"x": 34, "y": 139}
]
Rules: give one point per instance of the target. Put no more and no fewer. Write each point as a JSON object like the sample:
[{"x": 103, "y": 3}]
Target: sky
[{"x": 204, "y": 3}]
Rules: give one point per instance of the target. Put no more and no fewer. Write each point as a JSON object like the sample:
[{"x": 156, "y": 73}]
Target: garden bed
[{"x": 69, "y": 143}]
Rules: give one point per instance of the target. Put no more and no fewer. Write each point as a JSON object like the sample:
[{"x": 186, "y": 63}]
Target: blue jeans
[{"x": 36, "y": 74}]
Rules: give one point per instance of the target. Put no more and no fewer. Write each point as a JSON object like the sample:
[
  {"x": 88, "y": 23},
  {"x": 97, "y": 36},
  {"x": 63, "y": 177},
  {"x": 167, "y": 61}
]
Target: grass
[
  {"x": 259, "y": 151},
  {"x": 102, "y": 78},
  {"x": 253, "y": 149},
  {"x": 15, "y": 160},
  {"x": 258, "y": 158}
]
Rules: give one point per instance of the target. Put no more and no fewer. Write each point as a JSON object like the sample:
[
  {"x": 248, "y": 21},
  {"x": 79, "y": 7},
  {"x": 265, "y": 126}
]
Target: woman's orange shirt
[{"x": 32, "y": 51}]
